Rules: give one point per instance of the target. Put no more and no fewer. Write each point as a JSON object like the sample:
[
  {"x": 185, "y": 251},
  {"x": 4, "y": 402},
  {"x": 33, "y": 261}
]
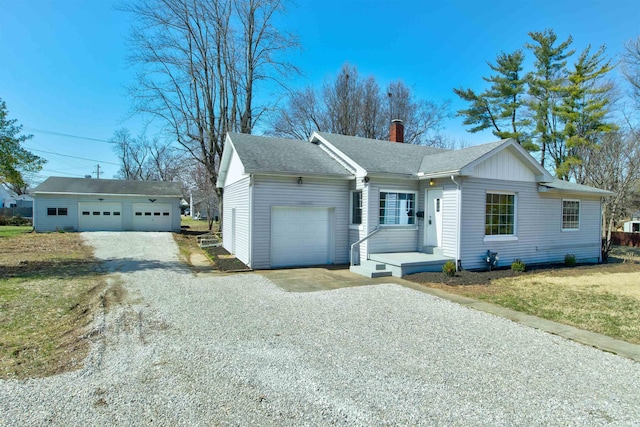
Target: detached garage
[{"x": 85, "y": 204}]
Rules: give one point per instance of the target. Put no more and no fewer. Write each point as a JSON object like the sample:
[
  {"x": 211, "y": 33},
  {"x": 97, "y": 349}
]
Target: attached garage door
[
  {"x": 99, "y": 216},
  {"x": 300, "y": 236},
  {"x": 151, "y": 217}
]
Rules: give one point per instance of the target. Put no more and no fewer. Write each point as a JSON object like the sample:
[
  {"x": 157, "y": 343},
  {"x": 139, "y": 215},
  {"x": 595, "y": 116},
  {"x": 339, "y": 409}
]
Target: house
[
  {"x": 391, "y": 208},
  {"x": 85, "y": 204},
  {"x": 12, "y": 204}
]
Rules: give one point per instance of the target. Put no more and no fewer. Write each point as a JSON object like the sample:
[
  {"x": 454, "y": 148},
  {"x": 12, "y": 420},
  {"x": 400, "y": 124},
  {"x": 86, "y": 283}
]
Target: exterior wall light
[{"x": 300, "y": 180}]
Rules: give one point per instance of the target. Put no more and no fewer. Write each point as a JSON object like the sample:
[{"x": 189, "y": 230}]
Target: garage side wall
[
  {"x": 286, "y": 191},
  {"x": 45, "y": 223},
  {"x": 235, "y": 227},
  {"x": 540, "y": 238}
]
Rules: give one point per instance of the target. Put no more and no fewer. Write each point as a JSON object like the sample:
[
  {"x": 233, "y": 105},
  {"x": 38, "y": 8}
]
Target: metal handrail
[{"x": 375, "y": 230}]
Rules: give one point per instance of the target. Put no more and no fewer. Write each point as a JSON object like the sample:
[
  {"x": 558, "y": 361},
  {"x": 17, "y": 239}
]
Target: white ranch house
[
  {"x": 393, "y": 208},
  {"x": 86, "y": 204}
]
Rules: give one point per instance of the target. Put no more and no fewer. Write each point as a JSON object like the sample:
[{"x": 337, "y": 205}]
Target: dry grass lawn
[
  {"x": 603, "y": 298},
  {"x": 51, "y": 288}
]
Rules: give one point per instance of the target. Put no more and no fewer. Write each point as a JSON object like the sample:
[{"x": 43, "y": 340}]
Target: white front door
[{"x": 433, "y": 217}]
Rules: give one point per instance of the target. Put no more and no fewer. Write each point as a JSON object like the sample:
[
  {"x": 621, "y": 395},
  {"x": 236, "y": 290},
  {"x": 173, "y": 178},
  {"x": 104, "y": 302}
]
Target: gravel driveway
[{"x": 237, "y": 350}]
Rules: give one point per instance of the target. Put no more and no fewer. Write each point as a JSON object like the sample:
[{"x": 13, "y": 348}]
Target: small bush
[
  {"x": 570, "y": 260},
  {"x": 4, "y": 220},
  {"x": 449, "y": 268},
  {"x": 518, "y": 266},
  {"x": 18, "y": 221}
]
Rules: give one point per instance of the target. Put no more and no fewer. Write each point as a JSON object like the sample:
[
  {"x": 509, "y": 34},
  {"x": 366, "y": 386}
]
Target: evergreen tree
[
  {"x": 583, "y": 111},
  {"x": 14, "y": 159},
  {"x": 500, "y": 107},
  {"x": 546, "y": 85}
]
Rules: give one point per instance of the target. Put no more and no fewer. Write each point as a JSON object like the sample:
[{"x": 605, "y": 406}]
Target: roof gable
[
  {"x": 63, "y": 185},
  {"x": 378, "y": 157},
  {"x": 260, "y": 154}
]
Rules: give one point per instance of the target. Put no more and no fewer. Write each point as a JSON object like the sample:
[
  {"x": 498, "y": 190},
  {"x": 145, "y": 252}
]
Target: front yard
[
  {"x": 599, "y": 298},
  {"x": 50, "y": 291}
]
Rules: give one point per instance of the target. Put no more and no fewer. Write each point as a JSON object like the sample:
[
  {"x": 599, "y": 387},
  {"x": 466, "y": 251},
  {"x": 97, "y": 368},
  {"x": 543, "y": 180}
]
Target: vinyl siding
[
  {"x": 391, "y": 238},
  {"x": 272, "y": 191},
  {"x": 46, "y": 223},
  {"x": 504, "y": 166},
  {"x": 540, "y": 238},
  {"x": 237, "y": 196}
]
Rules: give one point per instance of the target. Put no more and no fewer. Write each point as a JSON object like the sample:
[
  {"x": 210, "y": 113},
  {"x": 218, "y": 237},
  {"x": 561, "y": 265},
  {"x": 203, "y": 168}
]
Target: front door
[{"x": 433, "y": 217}]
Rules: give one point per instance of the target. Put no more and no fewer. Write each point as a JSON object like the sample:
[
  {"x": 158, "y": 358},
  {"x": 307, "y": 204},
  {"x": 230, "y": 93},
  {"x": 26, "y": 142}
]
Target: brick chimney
[{"x": 396, "y": 133}]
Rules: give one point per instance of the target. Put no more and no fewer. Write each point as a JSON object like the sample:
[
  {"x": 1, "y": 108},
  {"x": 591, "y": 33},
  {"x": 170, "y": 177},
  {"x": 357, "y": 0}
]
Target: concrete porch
[{"x": 398, "y": 264}]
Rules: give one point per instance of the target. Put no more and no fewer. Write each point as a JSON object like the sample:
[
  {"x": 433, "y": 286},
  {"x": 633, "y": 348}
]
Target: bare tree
[
  {"x": 132, "y": 152},
  {"x": 614, "y": 165},
  {"x": 631, "y": 67},
  {"x": 349, "y": 105},
  {"x": 200, "y": 63}
]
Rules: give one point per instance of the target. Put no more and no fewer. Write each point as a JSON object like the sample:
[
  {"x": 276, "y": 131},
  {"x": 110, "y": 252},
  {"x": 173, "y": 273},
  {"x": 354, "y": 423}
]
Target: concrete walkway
[{"x": 322, "y": 279}]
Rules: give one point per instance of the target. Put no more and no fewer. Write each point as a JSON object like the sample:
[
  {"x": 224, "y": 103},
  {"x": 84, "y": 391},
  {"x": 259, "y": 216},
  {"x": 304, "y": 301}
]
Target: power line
[
  {"x": 63, "y": 173},
  {"x": 49, "y": 132},
  {"x": 74, "y": 157}
]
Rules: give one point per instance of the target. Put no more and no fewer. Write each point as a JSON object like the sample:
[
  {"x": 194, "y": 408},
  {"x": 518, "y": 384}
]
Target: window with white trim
[
  {"x": 570, "y": 214},
  {"x": 397, "y": 208},
  {"x": 56, "y": 211},
  {"x": 356, "y": 207},
  {"x": 500, "y": 214}
]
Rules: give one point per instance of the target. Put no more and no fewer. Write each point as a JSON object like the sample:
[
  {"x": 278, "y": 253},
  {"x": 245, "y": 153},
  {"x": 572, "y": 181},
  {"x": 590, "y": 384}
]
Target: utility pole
[{"x": 97, "y": 171}]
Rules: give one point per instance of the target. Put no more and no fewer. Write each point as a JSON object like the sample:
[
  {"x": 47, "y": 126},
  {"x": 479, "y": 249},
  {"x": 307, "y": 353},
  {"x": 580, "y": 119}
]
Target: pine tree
[
  {"x": 546, "y": 85},
  {"x": 501, "y": 106}
]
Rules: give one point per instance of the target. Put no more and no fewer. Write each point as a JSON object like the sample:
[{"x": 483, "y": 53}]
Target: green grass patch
[{"x": 12, "y": 230}]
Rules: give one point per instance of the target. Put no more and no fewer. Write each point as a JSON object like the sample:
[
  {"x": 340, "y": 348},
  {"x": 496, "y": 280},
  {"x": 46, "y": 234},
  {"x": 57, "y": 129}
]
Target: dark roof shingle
[{"x": 62, "y": 185}]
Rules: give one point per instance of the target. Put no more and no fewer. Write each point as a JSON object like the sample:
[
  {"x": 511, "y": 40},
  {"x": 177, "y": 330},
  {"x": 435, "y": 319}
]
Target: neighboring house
[
  {"x": 12, "y": 204},
  {"x": 85, "y": 204},
  {"x": 393, "y": 208}
]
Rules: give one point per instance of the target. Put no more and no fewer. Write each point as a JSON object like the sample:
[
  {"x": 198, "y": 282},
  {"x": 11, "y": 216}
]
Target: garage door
[
  {"x": 99, "y": 216},
  {"x": 300, "y": 236},
  {"x": 151, "y": 217}
]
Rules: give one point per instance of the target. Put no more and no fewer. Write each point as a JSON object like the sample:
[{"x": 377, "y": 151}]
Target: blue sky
[{"x": 64, "y": 65}]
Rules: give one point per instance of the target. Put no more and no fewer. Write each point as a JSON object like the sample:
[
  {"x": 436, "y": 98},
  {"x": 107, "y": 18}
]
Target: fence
[
  {"x": 11, "y": 212},
  {"x": 625, "y": 239}
]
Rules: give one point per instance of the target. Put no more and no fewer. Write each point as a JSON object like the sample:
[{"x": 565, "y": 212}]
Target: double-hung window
[
  {"x": 356, "y": 207},
  {"x": 500, "y": 214},
  {"x": 570, "y": 215},
  {"x": 397, "y": 208}
]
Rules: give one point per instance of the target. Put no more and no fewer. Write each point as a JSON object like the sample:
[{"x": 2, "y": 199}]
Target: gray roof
[
  {"x": 567, "y": 186},
  {"x": 454, "y": 160},
  {"x": 286, "y": 156},
  {"x": 61, "y": 185},
  {"x": 377, "y": 156}
]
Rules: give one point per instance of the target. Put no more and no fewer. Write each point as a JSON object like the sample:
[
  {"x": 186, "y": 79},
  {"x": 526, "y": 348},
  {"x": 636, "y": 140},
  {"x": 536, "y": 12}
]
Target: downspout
[
  {"x": 458, "y": 222},
  {"x": 250, "y": 214}
]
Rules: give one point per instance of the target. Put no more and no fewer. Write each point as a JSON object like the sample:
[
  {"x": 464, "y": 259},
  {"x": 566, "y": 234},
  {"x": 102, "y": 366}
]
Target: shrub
[
  {"x": 4, "y": 220},
  {"x": 518, "y": 266},
  {"x": 18, "y": 220},
  {"x": 570, "y": 260},
  {"x": 449, "y": 268}
]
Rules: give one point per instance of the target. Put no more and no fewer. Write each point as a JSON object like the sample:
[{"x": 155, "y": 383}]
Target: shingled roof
[
  {"x": 377, "y": 156},
  {"x": 285, "y": 156},
  {"x": 62, "y": 185}
]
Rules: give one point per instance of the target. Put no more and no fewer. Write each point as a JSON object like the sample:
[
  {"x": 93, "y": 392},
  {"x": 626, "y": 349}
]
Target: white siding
[
  {"x": 285, "y": 191},
  {"x": 236, "y": 170},
  {"x": 540, "y": 238},
  {"x": 390, "y": 238},
  {"x": 504, "y": 166},
  {"x": 45, "y": 223},
  {"x": 237, "y": 196}
]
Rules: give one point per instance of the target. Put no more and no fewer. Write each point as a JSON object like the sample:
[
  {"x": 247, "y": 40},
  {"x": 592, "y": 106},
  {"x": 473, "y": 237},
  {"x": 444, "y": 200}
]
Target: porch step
[{"x": 366, "y": 272}]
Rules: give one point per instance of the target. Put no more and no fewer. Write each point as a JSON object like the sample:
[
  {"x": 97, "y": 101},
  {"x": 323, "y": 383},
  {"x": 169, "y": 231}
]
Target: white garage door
[
  {"x": 99, "y": 216},
  {"x": 300, "y": 236},
  {"x": 151, "y": 217}
]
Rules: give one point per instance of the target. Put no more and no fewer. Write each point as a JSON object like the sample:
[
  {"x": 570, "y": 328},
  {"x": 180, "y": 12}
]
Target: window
[
  {"x": 356, "y": 207},
  {"x": 156, "y": 214},
  {"x": 96, "y": 213},
  {"x": 106, "y": 213},
  {"x": 571, "y": 214},
  {"x": 116, "y": 213},
  {"x": 86, "y": 213},
  {"x": 397, "y": 208},
  {"x": 138, "y": 213},
  {"x": 500, "y": 214},
  {"x": 165, "y": 214},
  {"x": 57, "y": 211}
]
